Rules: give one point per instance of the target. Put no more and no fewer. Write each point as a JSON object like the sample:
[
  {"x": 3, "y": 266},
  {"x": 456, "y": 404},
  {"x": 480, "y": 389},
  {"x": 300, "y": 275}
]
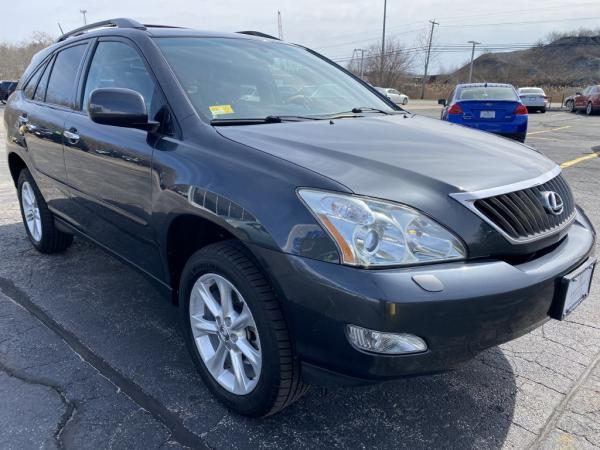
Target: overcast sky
[{"x": 333, "y": 27}]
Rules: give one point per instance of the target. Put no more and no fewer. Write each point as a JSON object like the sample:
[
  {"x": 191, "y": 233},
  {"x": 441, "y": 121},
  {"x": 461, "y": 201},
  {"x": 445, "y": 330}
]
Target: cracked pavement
[{"x": 91, "y": 357}]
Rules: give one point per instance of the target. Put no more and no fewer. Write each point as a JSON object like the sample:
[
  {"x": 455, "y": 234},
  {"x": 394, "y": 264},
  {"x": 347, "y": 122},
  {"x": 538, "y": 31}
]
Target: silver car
[
  {"x": 534, "y": 98},
  {"x": 394, "y": 95}
]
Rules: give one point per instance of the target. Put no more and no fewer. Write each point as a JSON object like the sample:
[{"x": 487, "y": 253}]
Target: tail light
[
  {"x": 455, "y": 109},
  {"x": 521, "y": 110}
]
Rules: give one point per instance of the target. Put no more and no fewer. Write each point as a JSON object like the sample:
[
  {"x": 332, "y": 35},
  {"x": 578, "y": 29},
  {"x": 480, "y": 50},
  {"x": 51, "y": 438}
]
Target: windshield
[
  {"x": 246, "y": 79},
  {"x": 531, "y": 91},
  {"x": 488, "y": 93}
]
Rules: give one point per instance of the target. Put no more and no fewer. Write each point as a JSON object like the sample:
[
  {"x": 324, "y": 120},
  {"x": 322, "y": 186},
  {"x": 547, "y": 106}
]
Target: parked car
[
  {"x": 6, "y": 88},
  {"x": 332, "y": 240},
  {"x": 492, "y": 107},
  {"x": 534, "y": 98},
  {"x": 588, "y": 100},
  {"x": 394, "y": 95}
]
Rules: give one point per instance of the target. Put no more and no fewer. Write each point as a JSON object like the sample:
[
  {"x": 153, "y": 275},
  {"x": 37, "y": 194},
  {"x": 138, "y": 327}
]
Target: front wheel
[
  {"x": 405, "y": 101},
  {"x": 570, "y": 106},
  {"x": 235, "y": 331},
  {"x": 589, "y": 109},
  {"x": 37, "y": 218}
]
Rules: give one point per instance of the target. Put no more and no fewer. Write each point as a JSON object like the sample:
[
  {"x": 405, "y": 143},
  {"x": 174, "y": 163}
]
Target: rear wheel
[
  {"x": 235, "y": 331},
  {"x": 543, "y": 109},
  {"x": 37, "y": 218}
]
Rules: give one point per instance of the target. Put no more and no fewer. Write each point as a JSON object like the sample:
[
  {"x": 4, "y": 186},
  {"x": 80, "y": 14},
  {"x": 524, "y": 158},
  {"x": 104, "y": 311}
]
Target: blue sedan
[{"x": 492, "y": 107}]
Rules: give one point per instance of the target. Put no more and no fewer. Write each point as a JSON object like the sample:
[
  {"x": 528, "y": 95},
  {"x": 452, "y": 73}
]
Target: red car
[{"x": 588, "y": 100}]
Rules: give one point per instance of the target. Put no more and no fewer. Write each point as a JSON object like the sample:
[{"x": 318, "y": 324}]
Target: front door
[{"x": 109, "y": 167}]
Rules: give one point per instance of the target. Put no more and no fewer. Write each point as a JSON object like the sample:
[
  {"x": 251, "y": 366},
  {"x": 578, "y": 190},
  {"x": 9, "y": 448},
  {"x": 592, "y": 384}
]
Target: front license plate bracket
[{"x": 573, "y": 289}]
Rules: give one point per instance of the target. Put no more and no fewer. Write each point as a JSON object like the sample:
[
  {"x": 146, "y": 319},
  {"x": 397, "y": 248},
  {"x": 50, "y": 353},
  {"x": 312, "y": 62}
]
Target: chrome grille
[{"x": 521, "y": 215}]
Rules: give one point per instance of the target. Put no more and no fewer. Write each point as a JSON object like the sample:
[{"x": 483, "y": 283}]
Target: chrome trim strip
[
  {"x": 518, "y": 186},
  {"x": 468, "y": 200}
]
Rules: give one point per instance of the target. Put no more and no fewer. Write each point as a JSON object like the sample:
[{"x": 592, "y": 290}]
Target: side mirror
[
  {"x": 120, "y": 108},
  {"x": 578, "y": 93},
  {"x": 442, "y": 101}
]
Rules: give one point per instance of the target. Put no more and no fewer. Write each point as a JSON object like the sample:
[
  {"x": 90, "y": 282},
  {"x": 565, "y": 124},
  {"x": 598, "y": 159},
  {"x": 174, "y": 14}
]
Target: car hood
[{"x": 392, "y": 156}]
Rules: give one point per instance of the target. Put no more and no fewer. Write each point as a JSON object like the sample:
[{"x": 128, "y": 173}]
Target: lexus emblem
[{"x": 553, "y": 203}]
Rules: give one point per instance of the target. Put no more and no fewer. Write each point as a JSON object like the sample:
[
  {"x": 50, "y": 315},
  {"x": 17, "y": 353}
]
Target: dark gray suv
[{"x": 310, "y": 231}]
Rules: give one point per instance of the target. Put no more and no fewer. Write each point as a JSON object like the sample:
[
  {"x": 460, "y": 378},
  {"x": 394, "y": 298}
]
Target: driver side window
[{"x": 118, "y": 65}]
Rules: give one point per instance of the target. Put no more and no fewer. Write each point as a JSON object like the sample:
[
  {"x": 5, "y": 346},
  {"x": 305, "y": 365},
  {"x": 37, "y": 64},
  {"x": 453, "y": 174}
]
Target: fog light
[{"x": 386, "y": 343}]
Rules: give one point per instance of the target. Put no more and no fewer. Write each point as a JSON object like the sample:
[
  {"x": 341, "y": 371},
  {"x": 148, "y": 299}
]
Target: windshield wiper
[
  {"x": 361, "y": 109},
  {"x": 258, "y": 120}
]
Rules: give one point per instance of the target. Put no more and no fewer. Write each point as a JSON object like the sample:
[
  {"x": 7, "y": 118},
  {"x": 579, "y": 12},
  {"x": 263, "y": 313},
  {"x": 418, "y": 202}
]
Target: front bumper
[{"x": 483, "y": 303}]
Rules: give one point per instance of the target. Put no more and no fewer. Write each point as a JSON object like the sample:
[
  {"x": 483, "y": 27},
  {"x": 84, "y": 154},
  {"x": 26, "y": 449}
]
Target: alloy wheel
[
  {"x": 225, "y": 334},
  {"x": 31, "y": 211},
  {"x": 588, "y": 109}
]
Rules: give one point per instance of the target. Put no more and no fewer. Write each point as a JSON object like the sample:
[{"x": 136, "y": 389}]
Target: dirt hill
[{"x": 568, "y": 61}]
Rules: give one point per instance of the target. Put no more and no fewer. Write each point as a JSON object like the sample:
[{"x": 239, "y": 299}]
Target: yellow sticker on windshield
[{"x": 217, "y": 110}]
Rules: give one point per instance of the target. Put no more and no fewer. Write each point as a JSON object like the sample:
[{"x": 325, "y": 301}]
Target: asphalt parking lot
[{"x": 91, "y": 357}]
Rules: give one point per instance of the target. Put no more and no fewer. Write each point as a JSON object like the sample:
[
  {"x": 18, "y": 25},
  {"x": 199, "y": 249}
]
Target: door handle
[{"x": 71, "y": 135}]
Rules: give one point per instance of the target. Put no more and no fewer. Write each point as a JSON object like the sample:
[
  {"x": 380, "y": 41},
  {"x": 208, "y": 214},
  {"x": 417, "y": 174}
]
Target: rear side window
[
  {"x": 488, "y": 93},
  {"x": 118, "y": 65},
  {"x": 40, "y": 91},
  {"x": 33, "y": 82},
  {"x": 61, "y": 86}
]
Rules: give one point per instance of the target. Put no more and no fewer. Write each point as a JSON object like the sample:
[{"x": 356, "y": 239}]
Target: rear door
[
  {"x": 109, "y": 167},
  {"x": 43, "y": 119}
]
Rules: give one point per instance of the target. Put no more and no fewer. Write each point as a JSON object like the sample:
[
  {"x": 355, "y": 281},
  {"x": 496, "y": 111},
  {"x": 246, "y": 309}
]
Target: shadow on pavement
[{"x": 116, "y": 313}]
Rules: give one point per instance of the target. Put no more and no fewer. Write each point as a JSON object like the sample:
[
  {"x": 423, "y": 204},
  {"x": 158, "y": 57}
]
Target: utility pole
[
  {"x": 472, "y": 56},
  {"x": 433, "y": 24},
  {"x": 84, "y": 12},
  {"x": 279, "y": 25},
  {"x": 362, "y": 61},
  {"x": 382, "y": 44}
]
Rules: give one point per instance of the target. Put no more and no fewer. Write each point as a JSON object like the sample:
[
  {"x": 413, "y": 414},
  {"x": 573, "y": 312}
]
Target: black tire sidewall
[{"x": 260, "y": 400}]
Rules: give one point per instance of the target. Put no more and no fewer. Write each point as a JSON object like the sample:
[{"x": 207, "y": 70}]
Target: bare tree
[
  {"x": 14, "y": 58},
  {"x": 396, "y": 64}
]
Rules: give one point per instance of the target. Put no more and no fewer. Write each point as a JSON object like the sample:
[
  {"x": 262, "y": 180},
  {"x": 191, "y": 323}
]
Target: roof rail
[
  {"x": 117, "y": 23},
  {"x": 150, "y": 25},
  {"x": 259, "y": 34}
]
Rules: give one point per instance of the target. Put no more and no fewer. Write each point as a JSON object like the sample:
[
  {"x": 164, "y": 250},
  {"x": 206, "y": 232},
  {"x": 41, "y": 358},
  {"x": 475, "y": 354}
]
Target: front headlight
[{"x": 378, "y": 233}]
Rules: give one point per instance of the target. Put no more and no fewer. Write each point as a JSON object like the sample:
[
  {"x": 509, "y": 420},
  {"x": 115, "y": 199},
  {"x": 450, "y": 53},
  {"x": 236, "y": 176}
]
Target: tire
[
  {"x": 405, "y": 101},
  {"x": 37, "y": 219},
  {"x": 571, "y": 106},
  {"x": 543, "y": 109},
  {"x": 589, "y": 109},
  {"x": 278, "y": 383}
]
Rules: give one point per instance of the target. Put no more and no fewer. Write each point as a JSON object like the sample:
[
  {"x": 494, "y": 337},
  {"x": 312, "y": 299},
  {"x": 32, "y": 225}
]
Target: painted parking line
[
  {"x": 550, "y": 130},
  {"x": 578, "y": 160}
]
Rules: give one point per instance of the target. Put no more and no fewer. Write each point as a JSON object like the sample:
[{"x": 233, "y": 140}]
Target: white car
[
  {"x": 534, "y": 98},
  {"x": 394, "y": 95}
]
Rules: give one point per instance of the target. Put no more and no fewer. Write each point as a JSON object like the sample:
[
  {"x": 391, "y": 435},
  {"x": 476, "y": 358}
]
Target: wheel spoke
[
  {"x": 225, "y": 292},
  {"x": 215, "y": 364},
  {"x": 199, "y": 323},
  {"x": 210, "y": 301},
  {"x": 249, "y": 351},
  {"x": 241, "y": 380},
  {"x": 243, "y": 319}
]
